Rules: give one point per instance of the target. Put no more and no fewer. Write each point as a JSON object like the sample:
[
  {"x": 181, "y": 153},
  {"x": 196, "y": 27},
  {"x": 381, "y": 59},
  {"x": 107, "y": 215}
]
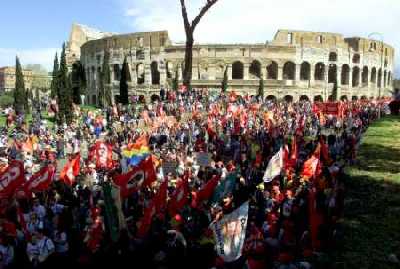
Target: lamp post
[{"x": 381, "y": 38}]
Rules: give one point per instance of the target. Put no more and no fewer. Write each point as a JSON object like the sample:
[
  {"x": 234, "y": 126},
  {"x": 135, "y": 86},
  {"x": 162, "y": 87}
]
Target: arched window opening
[
  {"x": 356, "y": 77},
  {"x": 288, "y": 98},
  {"x": 140, "y": 74},
  {"x": 117, "y": 72},
  {"x": 333, "y": 57},
  {"x": 320, "y": 39},
  {"x": 373, "y": 75},
  {"x": 384, "y": 79},
  {"x": 318, "y": 98},
  {"x": 155, "y": 74},
  {"x": 255, "y": 70},
  {"x": 380, "y": 78},
  {"x": 332, "y": 73},
  {"x": 319, "y": 71},
  {"x": 169, "y": 68},
  {"x": 345, "y": 75},
  {"x": 304, "y": 98},
  {"x": 364, "y": 76},
  {"x": 289, "y": 71},
  {"x": 305, "y": 71},
  {"x": 237, "y": 70},
  {"x": 356, "y": 58},
  {"x": 272, "y": 71}
]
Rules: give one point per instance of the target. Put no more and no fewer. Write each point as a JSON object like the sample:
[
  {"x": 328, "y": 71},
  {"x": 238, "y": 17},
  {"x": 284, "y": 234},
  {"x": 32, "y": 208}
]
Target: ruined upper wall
[{"x": 135, "y": 40}]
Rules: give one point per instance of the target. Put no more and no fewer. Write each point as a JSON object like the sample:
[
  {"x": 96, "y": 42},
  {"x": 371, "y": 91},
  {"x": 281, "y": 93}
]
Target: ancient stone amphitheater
[{"x": 294, "y": 65}]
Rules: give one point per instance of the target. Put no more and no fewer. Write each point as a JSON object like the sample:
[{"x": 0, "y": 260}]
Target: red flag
[
  {"x": 140, "y": 176},
  {"x": 180, "y": 196},
  {"x": 11, "y": 178},
  {"x": 71, "y": 170},
  {"x": 104, "y": 155},
  {"x": 312, "y": 166},
  {"x": 156, "y": 204},
  {"x": 315, "y": 218},
  {"x": 325, "y": 152},
  {"x": 41, "y": 180},
  {"x": 208, "y": 189}
]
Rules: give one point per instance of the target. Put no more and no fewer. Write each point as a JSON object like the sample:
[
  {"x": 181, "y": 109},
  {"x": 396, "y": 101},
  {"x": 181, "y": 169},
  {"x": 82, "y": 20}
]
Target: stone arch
[
  {"x": 380, "y": 77},
  {"x": 332, "y": 56},
  {"x": 271, "y": 98},
  {"x": 288, "y": 98},
  {"x": 155, "y": 74},
  {"x": 304, "y": 98},
  {"x": 356, "y": 58},
  {"x": 155, "y": 98},
  {"x": 356, "y": 77},
  {"x": 364, "y": 76},
  {"x": 255, "y": 70},
  {"x": 319, "y": 71},
  {"x": 140, "y": 73},
  {"x": 219, "y": 70},
  {"x": 116, "y": 72},
  {"x": 289, "y": 71},
  {"x": 373, "y": 75},
  {"x": 332, "y": 73},
  {"x": 272, "y": 70},
  {"x": 364, "y": 97},
  {"x": 237, "y": 70},
  {"x": 142, "y": 99},
  {"x": 345, "y": 76},
  {"x": 343, "y": 98},
  {"x": 169, "y": 69},
  {"x": 305, "y": 71},
  {"x": 385, "y": 79},
  {"x": 318, "y": 98},
  {"x": 203, "y": 71},
  {"x": 354, "y": 98}
]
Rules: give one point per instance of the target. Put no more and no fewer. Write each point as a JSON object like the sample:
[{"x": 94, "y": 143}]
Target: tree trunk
[{"x": 187, "y": 70}]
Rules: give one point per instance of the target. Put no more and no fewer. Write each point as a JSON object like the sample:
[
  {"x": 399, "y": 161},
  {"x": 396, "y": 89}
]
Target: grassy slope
[{"x": 372, "y": 211}]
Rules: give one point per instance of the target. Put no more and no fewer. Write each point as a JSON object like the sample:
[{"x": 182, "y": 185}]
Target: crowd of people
[{"x": 141, "y": 185}]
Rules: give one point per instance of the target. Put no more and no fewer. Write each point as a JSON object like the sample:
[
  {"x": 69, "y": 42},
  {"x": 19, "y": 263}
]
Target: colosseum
[{"x": 295, "y": 65}]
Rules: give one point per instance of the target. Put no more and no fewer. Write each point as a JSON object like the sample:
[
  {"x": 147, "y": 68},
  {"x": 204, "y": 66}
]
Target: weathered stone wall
[{"x": 296, "y": 63}]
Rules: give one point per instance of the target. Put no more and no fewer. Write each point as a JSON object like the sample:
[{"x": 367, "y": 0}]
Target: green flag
[
  {"x": 224, "y": 187},
  {"x": 111, "y": 212}
]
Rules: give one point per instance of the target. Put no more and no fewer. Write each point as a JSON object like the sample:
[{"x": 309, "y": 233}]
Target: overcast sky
[{"x": 230, "y": 21}]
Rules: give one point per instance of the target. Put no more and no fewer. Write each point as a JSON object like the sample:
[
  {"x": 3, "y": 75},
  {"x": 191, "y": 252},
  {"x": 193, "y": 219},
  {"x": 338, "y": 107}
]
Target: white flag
[
  {"x": 230, "y": 233},
  {"x": 274, "y": 167}
]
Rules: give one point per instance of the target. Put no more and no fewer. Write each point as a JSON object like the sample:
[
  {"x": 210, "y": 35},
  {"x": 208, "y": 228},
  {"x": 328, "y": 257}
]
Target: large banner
[{"x": 230, "y": 233}]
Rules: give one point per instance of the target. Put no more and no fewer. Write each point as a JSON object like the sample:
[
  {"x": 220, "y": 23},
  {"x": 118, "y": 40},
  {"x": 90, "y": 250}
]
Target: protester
[{"x": 168, "y": 184}]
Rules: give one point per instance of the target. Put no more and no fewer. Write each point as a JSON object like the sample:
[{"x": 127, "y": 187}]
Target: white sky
[{"x": 258, "y": 20}]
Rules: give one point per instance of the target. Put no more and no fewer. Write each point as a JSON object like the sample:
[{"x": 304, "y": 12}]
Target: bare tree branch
[
  {"x": 185, "y": 16},
  {"x": 203, "y": 11}
]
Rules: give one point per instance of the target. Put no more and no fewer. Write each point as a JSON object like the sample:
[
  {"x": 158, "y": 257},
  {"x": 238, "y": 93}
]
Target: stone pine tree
[
  {"x": 105, "y": 96},
  {"x": 123, "y": 84},
  {"x": 20, "y": 98},
  {"x": 190, "y": 27},
  {"x": 335, "y": 91},
  {"x": 261, "y": 88},
  {"x": 175, "y": 81},
  {"x": 69, "y": 113},
  {"x": 224, "y": 84},
  {"x": 78, "y": 82},
  {"x": 64, "y": 91},
  {"x": 53, "y": 91}
]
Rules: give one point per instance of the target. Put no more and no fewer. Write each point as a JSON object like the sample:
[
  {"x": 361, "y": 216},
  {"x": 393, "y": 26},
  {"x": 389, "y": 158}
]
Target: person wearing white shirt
[
  {"x": 6, "y": 253},
  {"x": 39, "y": 209}
]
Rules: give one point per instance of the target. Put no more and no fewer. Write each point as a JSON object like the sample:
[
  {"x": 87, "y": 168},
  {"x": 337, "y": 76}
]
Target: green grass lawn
[{"x": 372, "y": 209}]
